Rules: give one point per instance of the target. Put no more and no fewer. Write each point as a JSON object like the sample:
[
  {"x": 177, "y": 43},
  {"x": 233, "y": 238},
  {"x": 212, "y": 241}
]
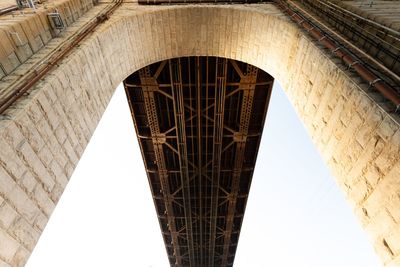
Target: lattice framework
[{"x": 199, "y": 122}]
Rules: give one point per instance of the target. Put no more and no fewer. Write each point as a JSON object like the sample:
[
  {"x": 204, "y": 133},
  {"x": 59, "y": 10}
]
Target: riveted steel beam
[
  {"x": 249, "y": 79},
  {"x": 195, "y": 133},
  {"x": 220, "y": 89},
  {"x": 152, "y": 118},
  {"x": 175, "y": 70}
]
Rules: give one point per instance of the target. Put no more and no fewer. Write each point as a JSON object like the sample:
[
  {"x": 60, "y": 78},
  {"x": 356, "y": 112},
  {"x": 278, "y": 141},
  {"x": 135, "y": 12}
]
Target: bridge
[
  {"x": 198, "y": 77},
  {"x": 199, "y": 122}
]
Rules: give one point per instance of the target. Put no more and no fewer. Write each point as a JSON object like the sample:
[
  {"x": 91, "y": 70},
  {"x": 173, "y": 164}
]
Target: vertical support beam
[
  {"x": 220, "y": 88},
  {"x": 248, "y": 84},
  {"x": 179, "y": 112},
  {"x": 148, "y": 94},
  {"x": 208, "y": 118},
  {"x": 199, "y": 156}
]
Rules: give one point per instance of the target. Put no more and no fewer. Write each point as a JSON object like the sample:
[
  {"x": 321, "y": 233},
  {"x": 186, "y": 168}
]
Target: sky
[{"x": 296, "y": 215}]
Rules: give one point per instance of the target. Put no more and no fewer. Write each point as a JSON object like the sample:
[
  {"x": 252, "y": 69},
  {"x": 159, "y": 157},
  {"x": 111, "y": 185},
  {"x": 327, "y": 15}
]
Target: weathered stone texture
[
  {"x": 8, "y": 246},
  {"x": 24, "y": 34},
  {"x": 46, "y": 132}
]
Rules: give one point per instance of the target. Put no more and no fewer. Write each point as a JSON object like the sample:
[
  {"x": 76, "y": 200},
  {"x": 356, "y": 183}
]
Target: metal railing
[
  {"x": 348, "y": 58},
  {"x": 375, "y": 39},
  {"x": 29, "y": 80}
]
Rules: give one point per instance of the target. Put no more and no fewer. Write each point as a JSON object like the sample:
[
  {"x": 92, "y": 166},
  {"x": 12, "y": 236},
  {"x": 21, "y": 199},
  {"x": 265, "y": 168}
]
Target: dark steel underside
[{"x": 199, "y": 122}]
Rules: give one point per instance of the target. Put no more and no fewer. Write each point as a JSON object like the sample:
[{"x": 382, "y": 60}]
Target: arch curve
[{"x": 260, "y": 36}]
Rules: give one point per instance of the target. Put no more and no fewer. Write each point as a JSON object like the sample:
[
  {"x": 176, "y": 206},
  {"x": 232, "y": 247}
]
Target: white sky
[{"x": 296, "y": 216}]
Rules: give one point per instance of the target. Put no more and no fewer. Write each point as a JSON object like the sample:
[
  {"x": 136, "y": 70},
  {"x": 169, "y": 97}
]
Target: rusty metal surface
[
  {"x": 173, "y": 2},
  {"x": 7, "y": 10},
  {"x": 354, "y": 63},
  {"x": 374, "y": 42},
  {"x": 199, "y": 122}
]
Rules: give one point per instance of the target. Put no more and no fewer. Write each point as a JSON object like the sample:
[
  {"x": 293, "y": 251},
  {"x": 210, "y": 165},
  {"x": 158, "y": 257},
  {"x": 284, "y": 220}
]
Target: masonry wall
[
  {"x": 23, "y": 33},
  {"x": 45, "y": 133}
]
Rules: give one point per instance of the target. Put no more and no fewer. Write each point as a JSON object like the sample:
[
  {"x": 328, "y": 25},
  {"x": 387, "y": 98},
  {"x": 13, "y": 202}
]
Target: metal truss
[
  {"x": 248, "y": 82},
  {"x": 199, "y": 122}
]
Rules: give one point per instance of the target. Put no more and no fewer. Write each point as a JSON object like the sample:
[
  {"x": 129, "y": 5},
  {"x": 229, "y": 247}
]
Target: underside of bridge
[{"x": 199, "y": 122}]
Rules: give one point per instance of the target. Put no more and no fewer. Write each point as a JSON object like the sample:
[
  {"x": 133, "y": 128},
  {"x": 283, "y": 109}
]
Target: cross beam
[{"x": 199, "y": 123}]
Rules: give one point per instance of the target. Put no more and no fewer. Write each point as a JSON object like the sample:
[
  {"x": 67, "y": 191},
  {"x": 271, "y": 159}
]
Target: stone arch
[{"x": 357, "y": 138}]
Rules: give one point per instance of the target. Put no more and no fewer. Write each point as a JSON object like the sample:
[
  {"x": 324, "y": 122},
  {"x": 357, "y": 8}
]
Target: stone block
[
  {"x": 48, "y": 112},
  {"x": 39, "y": 170},
  {"x": 51, "y": 96},
  {"x": 13, "y": 136},
  {"x": 28, "y": 181},
  {"x": 8, "y": 246},
  {"x": 359, "y": 191},
  {"x": 29, "y": 131},
  {"x": 387, "y": 128},
  {"x": 40, "y": 221},
  {"x": 70, "y": 152},
  {"x": 385, "y": 192},
  {"x": 390, "y": 154},
  {"x": 7, "y": 184},
  {"x": 43, "y": 200},
  {"x": 22, "y": 203},
  {"x": 372, "y": 175},
  {"x": 44, "y": 129},
  {"x": 11, "y": 161},
  {"x": 20, "y": 258},
  {"x": 25, "y": 233},
  {"x": 7, "y": 215},
  {"x": 45, "y": 155},
  {"x": 61, "y": 134}
]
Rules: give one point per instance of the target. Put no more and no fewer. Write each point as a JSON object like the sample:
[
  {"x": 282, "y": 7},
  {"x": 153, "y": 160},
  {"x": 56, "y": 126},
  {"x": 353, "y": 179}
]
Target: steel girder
[{"x": 199, "y": 122}]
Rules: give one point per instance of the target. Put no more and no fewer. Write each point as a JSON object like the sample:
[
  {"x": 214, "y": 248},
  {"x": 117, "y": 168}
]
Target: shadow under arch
[{"x": 203, "y": 116}]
